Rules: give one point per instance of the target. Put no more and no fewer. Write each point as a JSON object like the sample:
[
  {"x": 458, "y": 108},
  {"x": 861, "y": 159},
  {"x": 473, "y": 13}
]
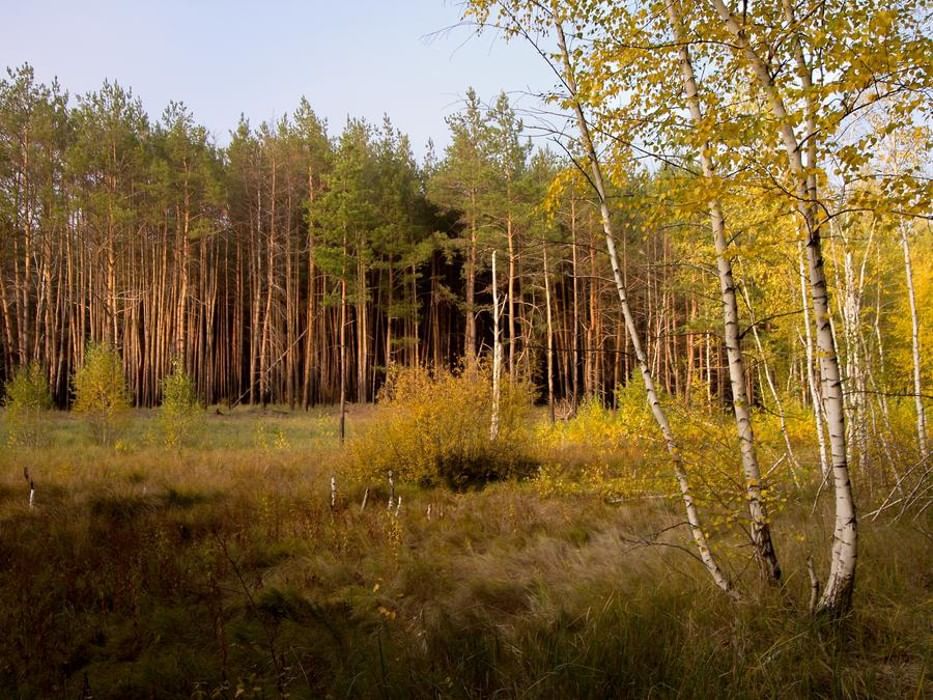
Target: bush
[
  {"x": 180, "y": 414},
  {"x": 614, "y": 453},
  {"x": 101, "y": 393},
  {"x": 27, "y": 399},
  {"x": 433, "y": 427}
]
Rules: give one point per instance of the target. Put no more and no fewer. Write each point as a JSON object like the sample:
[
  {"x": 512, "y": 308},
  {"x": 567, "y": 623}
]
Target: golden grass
[{"x": 221, "y": 571}]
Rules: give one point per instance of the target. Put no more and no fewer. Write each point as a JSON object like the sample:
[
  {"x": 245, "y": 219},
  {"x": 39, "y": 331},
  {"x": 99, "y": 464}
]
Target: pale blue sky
[{"x": 360, "y": 58}]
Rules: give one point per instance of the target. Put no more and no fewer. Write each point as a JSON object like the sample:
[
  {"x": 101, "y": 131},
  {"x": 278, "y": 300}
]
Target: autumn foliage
[{"x": 432, "y": 427}]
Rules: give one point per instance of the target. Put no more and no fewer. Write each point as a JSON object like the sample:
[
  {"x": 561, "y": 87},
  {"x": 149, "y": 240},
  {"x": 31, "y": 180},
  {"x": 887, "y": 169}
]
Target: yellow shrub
[
  {"x": 101, "y": 393},
  {"x": 27, "y": 400},
  {"x": 434, "y": 426},
  {"x": 614, "y": 453}
]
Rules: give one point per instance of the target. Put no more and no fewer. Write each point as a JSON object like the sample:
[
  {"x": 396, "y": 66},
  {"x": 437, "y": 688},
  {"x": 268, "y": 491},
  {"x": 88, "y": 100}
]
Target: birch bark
[
  {"x": 836, "y": 599},
  {"x": 657, "y": 411},
  {"x": 760, "y": 528},
  {"x": 915, "y": 346}
]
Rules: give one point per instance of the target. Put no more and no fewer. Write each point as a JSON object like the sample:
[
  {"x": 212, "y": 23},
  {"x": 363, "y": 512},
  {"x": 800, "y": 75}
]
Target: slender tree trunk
[
  {"x": 811, "y": 380},
  {"x": 307, "y": 394},
  {"x": 836, "y": 599},
  {"x": 761, "y": 530},
  {"x": 915, "y": 345},
  {"x": 362, "y": 332},
  {"x": 550, "y": 338},
  {"x": 779, "y": 405},
  {"x": 693, "y": 518},
  {"x": 469, "y": 337},
  {"x": 575, "y": 376},
  {"x": 496, "y": 355},
  {"x": 343, "y": 345}
]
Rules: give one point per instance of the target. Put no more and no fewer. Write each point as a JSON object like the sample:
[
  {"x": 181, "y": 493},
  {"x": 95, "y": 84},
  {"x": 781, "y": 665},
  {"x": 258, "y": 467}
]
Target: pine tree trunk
[
  {"x": 550, "y": 338},
  {"x": 342, "y": 431},
  {"x": 496, "y": 355},
  {"x": 575, "y": 376},
  {"x": 469, "y": 336}
]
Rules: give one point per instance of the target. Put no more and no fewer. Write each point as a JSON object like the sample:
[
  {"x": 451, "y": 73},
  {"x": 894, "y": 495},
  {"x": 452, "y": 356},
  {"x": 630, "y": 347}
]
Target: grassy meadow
[{"x": 220, "y": 570}]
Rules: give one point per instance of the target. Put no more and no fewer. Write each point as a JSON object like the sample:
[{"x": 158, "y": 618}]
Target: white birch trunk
[
  {"x": 761, "y": 530},
  {"x": 836, "y": 599},
  {"x": 811, "y": 380},
  {"x": 915, "y": 346},
  {"x": 657, "y": 411},
  {"x": 855, "y": 378}
]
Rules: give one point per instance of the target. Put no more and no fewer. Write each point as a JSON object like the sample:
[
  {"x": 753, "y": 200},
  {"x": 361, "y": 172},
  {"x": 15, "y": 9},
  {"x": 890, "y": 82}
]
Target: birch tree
[
  {"x": 761, "y": 531},
  {"x": 537, "y": 19},
  {"x": 782, "y": 49}
]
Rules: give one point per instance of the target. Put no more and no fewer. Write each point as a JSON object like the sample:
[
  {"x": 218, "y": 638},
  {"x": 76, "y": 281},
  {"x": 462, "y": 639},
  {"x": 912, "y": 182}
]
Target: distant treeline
[
  {"x": 241, "y": 262},
  {"x": 254, "y": 265}
]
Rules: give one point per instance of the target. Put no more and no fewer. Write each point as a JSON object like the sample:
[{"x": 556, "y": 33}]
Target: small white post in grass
[
  {"x": 391, "y": 490},
  {"x": 365, "y": 498},
  {"x": 32, "y": 486},
  {"x": 428, "y": 512},
  {"x": 333, "y": 493},
  {"x": 398, "y": 506}
]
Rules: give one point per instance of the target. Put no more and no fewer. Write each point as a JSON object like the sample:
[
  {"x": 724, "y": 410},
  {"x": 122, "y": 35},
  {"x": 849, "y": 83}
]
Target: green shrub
[
  {"x": 27, "y": 398},
  {"x": 433, "y": 427},
  {"x": 180, "y": 415},
  {"x": 101, "y": 393}
]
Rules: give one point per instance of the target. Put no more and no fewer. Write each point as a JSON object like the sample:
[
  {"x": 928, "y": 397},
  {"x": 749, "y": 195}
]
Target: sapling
[
  {"x": 27, "y": 400},
  {"x": 101, "y": 393}
]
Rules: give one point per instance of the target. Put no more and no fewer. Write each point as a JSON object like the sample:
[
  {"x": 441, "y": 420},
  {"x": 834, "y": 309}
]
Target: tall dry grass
[{"x": 221, "y": 571}]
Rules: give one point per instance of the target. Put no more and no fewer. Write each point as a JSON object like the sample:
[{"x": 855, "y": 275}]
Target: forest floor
[{"x": 221, "y": 570}]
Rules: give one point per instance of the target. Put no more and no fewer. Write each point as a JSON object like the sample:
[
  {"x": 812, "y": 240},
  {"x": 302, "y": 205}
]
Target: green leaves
[
  {"x": 26, "y": 398},
  {"x": 101, "y": 394}
]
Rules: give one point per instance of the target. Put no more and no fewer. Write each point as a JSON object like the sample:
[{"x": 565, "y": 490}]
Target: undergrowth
[{"x": 223, "y": 572}]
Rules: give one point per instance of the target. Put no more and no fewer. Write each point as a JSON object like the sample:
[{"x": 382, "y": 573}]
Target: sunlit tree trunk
[
  {"x": 469, "y": 337},
  {"x": 778, "y": 404},
  {"x": 915, "y": 345},
  {"x": 836, "y": 598},
  {"x": 660, "y": 417},
  {"x": 343, "y": 345},
  {"x": 550, "y": 338},
  {"x": 496, "y": 355},
  {"x": 510, "y": 236},
  {"x": 575, "y": 376},
  {"x": 815, "y": 397},
  {"x": 760, "y": 528},
  {"x": 307, "y": 395}
]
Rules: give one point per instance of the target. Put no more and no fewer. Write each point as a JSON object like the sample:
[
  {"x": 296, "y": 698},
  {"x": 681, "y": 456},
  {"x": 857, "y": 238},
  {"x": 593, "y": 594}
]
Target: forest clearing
[
  {"x": 620, "y": 388},
  {"x": 222, "y": 569}
]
